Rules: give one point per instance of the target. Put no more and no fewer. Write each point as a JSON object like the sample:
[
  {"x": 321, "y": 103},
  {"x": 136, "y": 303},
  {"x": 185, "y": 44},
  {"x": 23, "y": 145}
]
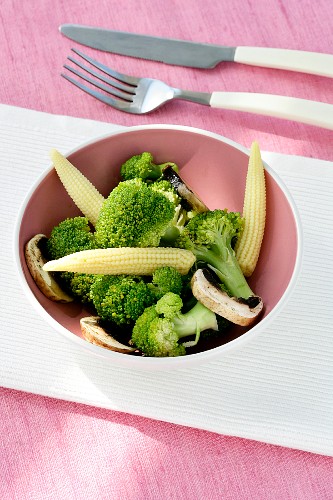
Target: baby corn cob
[
  {"x": 254, "y": 212},
  {"x": 80, "y": 189},
  {"x": 126, "y": 260}
]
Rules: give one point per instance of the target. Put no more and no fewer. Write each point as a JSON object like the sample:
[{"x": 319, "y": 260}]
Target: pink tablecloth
[{"x": 54, "y": 449}]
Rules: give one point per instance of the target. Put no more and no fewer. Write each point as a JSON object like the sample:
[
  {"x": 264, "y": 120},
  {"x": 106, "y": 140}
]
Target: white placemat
[{"x": 277, "y": 389}]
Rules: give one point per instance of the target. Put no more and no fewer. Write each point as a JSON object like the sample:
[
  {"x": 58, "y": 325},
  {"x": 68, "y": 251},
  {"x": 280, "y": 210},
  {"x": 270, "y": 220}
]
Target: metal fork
[{"x": 142, "y": 95}]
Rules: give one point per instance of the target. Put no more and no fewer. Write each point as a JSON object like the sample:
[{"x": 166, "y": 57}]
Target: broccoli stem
[
  {"x": 199, "y": 318},
  {"x": 226, "y": 268}
]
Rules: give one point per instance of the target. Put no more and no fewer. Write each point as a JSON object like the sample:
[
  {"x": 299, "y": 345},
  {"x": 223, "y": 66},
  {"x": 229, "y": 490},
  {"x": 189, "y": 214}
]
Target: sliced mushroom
[
  {"x": 43, "y": 279},
  {"x": 239, "y": 311},
  {"x": 183, "y": 190},
  {"x": 95, "y": 334}
]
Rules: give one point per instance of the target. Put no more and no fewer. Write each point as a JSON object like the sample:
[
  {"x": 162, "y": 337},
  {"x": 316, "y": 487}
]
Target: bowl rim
[{"x": 151, "y": 363}]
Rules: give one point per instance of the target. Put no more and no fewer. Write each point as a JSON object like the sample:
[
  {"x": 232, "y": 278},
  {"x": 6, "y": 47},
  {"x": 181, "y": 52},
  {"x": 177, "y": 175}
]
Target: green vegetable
[
  {"x": 158, "y": 330},
  {"x": 166, "y": 279},
  {"x": 142, "y": 166},
  {"x": 181, "y": 215},
  {"x": 120, "y": 299},
  {"x": 80, "y": 284},
  {"x": 70, "y": 236},
  {"x": 211, "y": 236},
  {"x": 134, "y": 215},
  {"x": 183, "y": 212},
  {"x": 164, "y": 187}
]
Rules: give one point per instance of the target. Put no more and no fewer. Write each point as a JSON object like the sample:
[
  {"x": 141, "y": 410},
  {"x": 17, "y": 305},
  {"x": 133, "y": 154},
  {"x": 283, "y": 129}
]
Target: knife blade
[{"x": 197, "y": 55}]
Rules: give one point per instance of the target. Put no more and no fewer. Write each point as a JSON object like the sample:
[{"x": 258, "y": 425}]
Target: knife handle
[
  {"x": 314, "y": 63},
  {"x": 315, "y": 113}
]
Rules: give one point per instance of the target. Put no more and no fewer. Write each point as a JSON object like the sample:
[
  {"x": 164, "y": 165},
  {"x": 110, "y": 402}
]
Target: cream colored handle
[
  {"x": 293, "y": 60},
  {"x": 315, "y": 113}
]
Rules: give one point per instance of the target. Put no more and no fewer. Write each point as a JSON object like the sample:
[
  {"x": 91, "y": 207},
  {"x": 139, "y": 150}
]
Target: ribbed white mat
[{"x": 277, "y": 389}]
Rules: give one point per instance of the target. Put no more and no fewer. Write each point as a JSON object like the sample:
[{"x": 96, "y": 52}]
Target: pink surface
[
  {"x": 33, "y": 53},
  {"x": 54, "y": 449}
]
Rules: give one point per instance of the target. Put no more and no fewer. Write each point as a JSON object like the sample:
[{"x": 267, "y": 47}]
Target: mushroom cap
[
  {"x": 94, "y": 333},
  {"x": 239, "y": 311},
  {"x": 44, "y": 280},
  {"x": 184, "y": 190}
]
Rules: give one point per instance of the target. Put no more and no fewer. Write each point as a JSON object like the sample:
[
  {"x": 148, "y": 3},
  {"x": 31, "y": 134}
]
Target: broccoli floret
[
  {"x": 76, "y": 284},
  {"x": 142, "y": 166},
  {"x": 158, "y": 330},
  {"x": 120, "y": 299},
  {"x": 80, "y": 285},
  {"x": 166, "y": 279},
  {"x": 176, "y": 226},
  {"x": 164, "y": 187},
  {"x": 134, "y": 215},
  {"x": 70, "y": 236},
  {"x": 182, "y": 213},
  {"x": 211, "y": 236}
]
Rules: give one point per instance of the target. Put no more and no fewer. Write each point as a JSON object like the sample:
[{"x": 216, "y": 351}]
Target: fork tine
[
  {"x": 115, "y": 83},
  {"x": 130, "y": 80},
  {"x": 115, "y": 103},
  {"x": 136, "y": 95},
  {"x": 107, "y": 88}
]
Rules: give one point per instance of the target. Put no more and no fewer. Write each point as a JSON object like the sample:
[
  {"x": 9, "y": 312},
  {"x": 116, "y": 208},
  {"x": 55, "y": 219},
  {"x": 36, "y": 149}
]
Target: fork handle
[{"x": 315, "y": 113}]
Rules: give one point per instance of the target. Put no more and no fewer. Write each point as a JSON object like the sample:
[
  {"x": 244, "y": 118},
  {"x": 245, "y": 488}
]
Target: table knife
[{"x": 197, "y": 55}]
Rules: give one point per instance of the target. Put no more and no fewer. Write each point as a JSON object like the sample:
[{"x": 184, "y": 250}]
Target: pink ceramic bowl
[{"x": 215, "y": 168}]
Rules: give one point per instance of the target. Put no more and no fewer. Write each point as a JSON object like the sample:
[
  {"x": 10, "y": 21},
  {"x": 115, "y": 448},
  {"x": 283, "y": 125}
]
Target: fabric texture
[
  {"x": 276, "y": 389},
  {"x": 57, "y": 449},
  {"x": 34, "y": 53}
]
